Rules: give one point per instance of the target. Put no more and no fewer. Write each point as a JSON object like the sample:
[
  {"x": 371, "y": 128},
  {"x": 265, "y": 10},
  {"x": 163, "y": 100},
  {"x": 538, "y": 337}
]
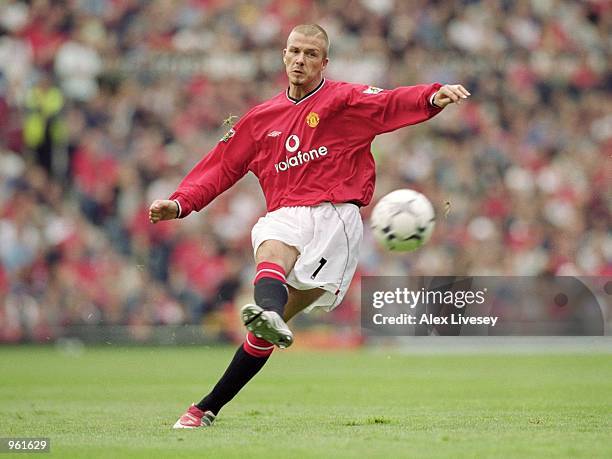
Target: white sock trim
[
  {"x": 259, "y": 348},
  {"x": 271, "y": 271}
]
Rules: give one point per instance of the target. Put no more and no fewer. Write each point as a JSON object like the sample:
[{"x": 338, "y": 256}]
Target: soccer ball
[{"x": 403, "y": 220}]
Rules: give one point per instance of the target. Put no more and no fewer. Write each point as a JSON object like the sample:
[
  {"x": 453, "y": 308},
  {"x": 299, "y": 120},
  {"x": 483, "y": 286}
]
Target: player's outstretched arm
[
  {"x": 450, "y": 94},
  {"x": 163, "y": 209}
]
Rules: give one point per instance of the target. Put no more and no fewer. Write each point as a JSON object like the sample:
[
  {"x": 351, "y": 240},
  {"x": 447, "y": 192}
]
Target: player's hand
[
  {"x": 450, "y": 94},
  {"x": 163, "y": 209}
]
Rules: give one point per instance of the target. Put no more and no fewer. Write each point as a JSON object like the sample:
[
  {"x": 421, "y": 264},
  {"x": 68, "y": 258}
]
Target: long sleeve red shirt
[{"x": 309, "y": 151}]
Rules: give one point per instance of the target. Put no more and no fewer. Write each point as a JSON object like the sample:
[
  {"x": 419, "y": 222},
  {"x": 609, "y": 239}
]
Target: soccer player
[{"x": 309, "y": 146}]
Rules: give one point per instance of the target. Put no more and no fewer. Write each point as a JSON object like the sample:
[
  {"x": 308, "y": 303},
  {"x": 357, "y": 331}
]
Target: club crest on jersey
[
  {"x": 312, "y": 119},
  {"x": 372, "y": 90},
  {"x": 228, "y": 135}
]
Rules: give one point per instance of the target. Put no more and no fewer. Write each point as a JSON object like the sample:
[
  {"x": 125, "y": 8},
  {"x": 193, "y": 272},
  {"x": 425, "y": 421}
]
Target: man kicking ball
[{"x": 309, "y": 146}]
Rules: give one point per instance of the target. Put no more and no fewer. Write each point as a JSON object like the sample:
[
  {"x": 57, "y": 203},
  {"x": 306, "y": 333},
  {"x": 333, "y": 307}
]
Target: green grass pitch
[{"x": 122, "y": 402}]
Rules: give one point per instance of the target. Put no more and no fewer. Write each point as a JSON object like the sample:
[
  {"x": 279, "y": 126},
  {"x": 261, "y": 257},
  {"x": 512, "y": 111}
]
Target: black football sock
[
  {"x": 240, "y": 371},
  {"x": 271, "y": 294}
]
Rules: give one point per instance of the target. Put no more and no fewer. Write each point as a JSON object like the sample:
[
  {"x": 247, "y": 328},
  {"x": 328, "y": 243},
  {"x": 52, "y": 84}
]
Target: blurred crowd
[{"x": 106, "y": 104}]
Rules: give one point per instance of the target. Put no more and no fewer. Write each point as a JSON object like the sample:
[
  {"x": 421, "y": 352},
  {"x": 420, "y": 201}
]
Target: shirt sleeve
[
  {"x": 383, "y": 110},
  {"x": 221, "y": 168}
]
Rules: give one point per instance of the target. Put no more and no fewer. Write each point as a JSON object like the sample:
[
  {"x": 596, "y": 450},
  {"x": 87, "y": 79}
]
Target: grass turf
[{"x": 121, "y": 402}]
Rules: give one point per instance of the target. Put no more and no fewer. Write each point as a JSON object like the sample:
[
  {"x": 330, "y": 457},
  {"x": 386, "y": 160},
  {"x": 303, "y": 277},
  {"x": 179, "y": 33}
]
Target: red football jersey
[{"x": 309, "y": 151}]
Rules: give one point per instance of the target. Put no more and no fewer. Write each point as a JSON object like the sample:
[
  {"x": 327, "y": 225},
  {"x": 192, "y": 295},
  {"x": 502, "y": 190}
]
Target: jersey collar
[{"x": 310, "y": 94}]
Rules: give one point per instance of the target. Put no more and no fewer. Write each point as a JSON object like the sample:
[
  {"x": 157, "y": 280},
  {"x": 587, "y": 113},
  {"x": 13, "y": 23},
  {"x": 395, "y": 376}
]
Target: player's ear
[
  {"x": 284, "y": 55},
  {"x": 325, "y": 62}
]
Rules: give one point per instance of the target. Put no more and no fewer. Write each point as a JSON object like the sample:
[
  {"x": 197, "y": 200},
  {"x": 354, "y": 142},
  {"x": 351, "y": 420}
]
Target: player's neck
[{"x": 299, "y": 92}]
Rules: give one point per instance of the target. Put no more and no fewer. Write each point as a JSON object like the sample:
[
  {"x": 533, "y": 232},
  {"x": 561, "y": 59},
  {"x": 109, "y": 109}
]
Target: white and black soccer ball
[{"x": 403, "y": 220}]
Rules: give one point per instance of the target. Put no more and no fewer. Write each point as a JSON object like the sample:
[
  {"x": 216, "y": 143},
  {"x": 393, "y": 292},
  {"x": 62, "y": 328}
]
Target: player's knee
[{"x": 277, "y": 252}]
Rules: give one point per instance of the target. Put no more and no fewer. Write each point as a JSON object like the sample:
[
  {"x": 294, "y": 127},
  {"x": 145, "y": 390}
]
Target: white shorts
[{"x": 328, "y": 237}]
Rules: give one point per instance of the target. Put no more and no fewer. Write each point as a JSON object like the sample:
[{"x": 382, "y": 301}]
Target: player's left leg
[
  {"x": 250, "y": 357},
  {"x": 300, "y": 300},
  {"x": 331, "y": 258}
]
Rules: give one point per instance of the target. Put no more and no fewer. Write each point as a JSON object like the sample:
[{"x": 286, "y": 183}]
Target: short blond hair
[{"x": 313, "y": 30}]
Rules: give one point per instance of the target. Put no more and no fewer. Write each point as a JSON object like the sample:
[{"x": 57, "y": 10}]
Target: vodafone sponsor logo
[{"x": 301, "y": 157}]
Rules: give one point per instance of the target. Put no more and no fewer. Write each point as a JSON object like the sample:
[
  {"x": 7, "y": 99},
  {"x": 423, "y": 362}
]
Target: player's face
[{"x": 304, "y": 60}]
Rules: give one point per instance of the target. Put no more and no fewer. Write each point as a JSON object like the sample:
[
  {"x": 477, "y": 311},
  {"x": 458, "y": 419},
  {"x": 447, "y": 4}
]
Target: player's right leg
[{"x": 264, "y": 318}]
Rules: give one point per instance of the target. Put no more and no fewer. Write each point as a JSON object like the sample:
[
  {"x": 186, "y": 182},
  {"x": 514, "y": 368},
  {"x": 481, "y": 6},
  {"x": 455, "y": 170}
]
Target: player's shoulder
[
  {"x": 342, "y": 85},
  {"x": 255, "y": 119},
  {"x": 345, "y": 91},
  {"x": 346, "y": 87},
  {"x": 272, "y": 102},
  {"x": 263, "y": 108}
]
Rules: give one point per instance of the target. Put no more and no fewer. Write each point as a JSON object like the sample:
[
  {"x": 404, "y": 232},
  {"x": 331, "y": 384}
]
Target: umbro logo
[{"x": 274, "y": 134}]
